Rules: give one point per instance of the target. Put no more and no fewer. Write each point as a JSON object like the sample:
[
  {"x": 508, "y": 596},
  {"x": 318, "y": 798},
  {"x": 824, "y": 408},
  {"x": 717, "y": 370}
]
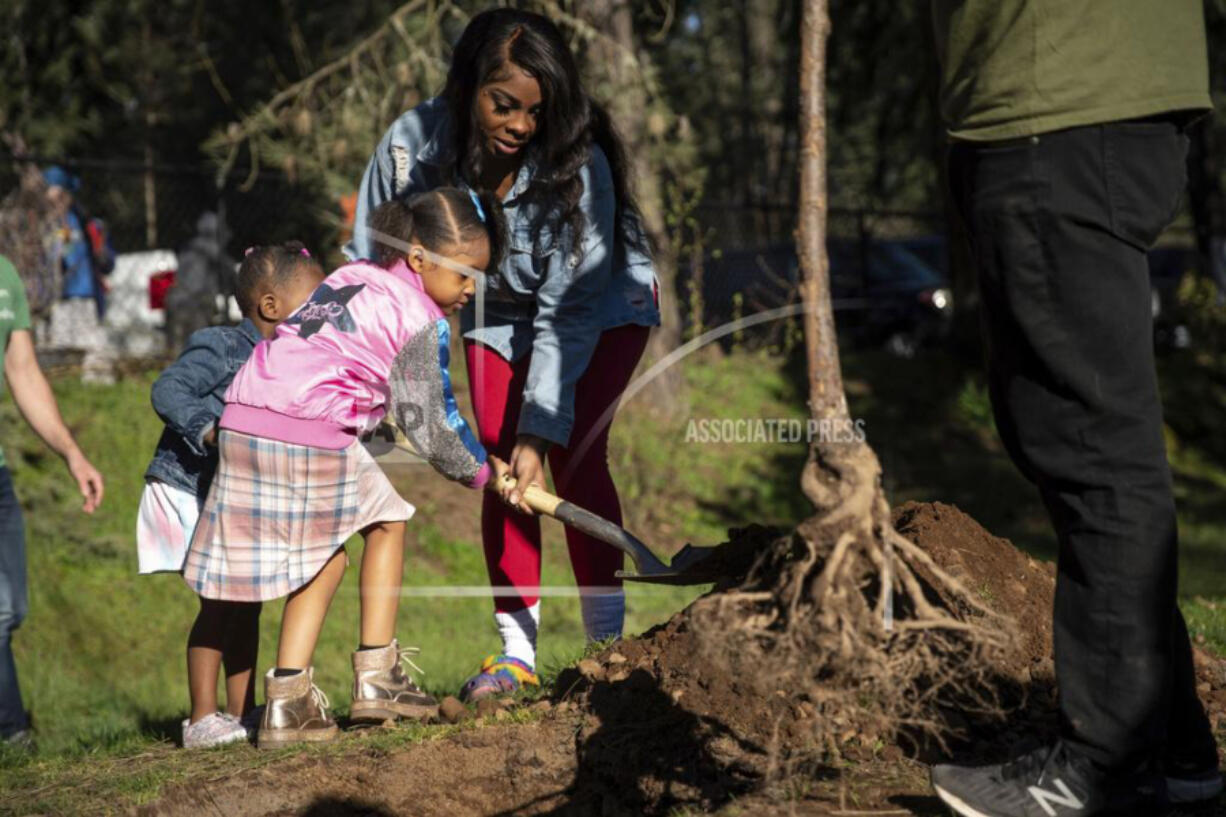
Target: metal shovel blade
[{"x": 685, "y": 569}]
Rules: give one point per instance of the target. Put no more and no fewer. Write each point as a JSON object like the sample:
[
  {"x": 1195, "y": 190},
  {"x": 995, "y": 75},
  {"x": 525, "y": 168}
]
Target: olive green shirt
[
  {"x": 14, "y": 309},
  {"x": 1013, "y": 68}
]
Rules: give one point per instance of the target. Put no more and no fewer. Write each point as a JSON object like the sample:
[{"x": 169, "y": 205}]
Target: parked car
[
  {"x": 136, "y": 300},
  {"x": 891, "y": 294},
  {"x": 902, "y": 289}
]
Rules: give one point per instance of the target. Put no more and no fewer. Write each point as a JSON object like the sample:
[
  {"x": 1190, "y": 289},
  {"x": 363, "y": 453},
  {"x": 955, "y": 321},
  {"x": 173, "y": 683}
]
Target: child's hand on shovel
[
  {"x": 504, "y": 484},
  {"x": 508, "y": 489},
  {"x": 527, "y": 468}
]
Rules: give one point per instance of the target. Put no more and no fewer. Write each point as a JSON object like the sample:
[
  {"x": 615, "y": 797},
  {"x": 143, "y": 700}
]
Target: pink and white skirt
[{"x": 164, "y": 525}]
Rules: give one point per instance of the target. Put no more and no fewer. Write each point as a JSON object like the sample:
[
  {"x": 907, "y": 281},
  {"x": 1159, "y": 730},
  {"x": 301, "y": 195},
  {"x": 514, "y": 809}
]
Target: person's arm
[
  {"x": 424, "y": 408},
  {"x": 37, "y": 405},
  {"x": 376, "y": 188},
  {"x": 177, "y": 393},
  {"x": 566, "y": 329}
]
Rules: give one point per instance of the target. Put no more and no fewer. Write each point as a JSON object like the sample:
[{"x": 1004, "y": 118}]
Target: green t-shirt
[
  {"x": 1013, "y": 68},
  {"x": 14, "y": 309}
]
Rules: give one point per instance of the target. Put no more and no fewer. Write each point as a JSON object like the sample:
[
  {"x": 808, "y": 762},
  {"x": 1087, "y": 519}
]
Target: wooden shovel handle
[{"x": 538, "y": 499}]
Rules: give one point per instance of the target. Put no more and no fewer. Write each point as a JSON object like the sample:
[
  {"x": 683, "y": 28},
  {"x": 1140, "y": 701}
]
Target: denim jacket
[
  {"x": 189, "y": 397},
  {"x": 551, "y": 296}
]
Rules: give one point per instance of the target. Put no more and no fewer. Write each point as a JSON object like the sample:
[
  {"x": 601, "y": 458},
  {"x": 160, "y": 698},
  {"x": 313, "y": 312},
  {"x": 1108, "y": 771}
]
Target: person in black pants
[
  {"x": 1060, "y": 225},
  {"x": 1067, "y": 123}
]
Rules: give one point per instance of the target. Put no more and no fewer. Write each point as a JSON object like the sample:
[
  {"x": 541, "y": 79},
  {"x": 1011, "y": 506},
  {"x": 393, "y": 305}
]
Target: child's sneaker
[
  {"x": 295, "y": 710},
  {"x": 216, "y": 729},
  {"x": 383, "y": 691},
  {"x": 499, "y": 675}
]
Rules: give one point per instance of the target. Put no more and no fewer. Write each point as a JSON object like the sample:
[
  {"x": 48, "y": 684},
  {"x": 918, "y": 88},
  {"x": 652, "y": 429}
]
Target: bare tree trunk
[
  {"x": 826, "y": 398},
  {"x": 826, "y": 480},
  {"x": 151, "y": 201},
  {"x": 768, "y": 52},
  {"x": 861, "y": 620}
]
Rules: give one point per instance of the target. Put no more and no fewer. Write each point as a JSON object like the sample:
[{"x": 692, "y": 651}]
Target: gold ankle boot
[
  {"x": 383, "y": 691},
  {"x": 295, "y": 710}
]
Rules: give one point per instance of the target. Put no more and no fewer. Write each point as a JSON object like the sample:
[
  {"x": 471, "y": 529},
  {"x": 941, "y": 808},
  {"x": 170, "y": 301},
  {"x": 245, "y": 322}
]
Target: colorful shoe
[
  {"x": 383, "y": 691},
  {"x": 295, "y": 710},
  {"x": 216, "y": 729},
  {"x": 499, "y": 675}
]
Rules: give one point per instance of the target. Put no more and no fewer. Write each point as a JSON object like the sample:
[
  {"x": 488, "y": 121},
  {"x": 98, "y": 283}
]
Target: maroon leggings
[{"x": 512, "y": 540}]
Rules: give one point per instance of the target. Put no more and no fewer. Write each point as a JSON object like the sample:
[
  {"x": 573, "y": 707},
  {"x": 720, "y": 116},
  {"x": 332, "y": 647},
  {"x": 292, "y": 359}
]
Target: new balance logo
[{"x": 1047, "y": 799}]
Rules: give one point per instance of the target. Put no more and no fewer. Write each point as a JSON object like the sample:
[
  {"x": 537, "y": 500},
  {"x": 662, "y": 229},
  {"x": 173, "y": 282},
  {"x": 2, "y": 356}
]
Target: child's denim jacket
[
  {"x": 189, "y": 397},
  {"x": 551, "y": 296}
]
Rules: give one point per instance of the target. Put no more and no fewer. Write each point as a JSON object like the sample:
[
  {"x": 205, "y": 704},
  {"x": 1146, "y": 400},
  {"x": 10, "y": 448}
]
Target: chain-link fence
[
  {"x": 179, "y": 230},
  {"x": 184, "y": 225},
  {"x": 158, "y": 206},
  {"x": 176, "y": 232}
]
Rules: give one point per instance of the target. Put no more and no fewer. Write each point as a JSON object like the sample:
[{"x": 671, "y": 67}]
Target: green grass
[{"x": 101, "y": 655}]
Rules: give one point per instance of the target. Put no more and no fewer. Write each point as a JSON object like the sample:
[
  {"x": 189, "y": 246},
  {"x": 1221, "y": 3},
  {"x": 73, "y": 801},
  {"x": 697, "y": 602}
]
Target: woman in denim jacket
[
  {"x": 189, "y": 397},
  {"x": 554, "y": 337}
]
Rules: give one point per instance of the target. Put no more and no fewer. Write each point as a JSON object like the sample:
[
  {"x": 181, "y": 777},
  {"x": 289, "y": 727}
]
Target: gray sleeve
[{"x": 424, "y": 408}]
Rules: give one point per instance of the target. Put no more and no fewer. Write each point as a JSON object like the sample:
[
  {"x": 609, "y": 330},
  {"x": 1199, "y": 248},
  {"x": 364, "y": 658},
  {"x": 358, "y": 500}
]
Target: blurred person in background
[
  {"x": 82, "y": 249},
  {"x": 205, "y": 272}
]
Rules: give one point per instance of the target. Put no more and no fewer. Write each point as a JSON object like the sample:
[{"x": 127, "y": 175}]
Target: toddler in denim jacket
[{"x": 189, "y": 397}]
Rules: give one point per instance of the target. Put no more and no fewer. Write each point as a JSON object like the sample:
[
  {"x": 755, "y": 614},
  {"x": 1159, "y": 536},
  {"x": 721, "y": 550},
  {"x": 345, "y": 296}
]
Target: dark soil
[
  {"x": 653, "y": 724},
  {"x": 1005, "y": 578}
]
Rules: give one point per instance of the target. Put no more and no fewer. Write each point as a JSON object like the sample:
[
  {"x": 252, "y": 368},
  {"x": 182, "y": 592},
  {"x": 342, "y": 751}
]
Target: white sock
[
  {"x": 518, "y": 631},
  {"x": 603, "y": 614}
]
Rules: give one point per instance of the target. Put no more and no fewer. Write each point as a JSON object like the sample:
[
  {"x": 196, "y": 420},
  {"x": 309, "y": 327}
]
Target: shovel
[
  {"x": 387, "y": 442},
  {"x": 684, "y": 569}
]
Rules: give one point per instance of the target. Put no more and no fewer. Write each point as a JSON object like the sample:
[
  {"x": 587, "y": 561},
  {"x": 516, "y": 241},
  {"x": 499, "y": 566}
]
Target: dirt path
[{"x": 526, "y": 769}]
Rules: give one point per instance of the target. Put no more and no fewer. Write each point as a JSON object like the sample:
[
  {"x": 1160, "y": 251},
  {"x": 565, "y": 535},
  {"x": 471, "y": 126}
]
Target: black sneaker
[{"x": 1048, "y": 782}]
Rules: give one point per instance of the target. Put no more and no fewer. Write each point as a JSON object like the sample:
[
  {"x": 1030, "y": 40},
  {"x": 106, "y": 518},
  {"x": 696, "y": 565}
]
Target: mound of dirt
[
  {"x": 651, "y": 725},
  {"x": 1005, "y": 578},
  {"x": 665, "y": 678}
]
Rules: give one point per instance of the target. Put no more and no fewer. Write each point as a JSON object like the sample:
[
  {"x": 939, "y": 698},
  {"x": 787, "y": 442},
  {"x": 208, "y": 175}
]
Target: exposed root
[{"x": 862, "y": 624}]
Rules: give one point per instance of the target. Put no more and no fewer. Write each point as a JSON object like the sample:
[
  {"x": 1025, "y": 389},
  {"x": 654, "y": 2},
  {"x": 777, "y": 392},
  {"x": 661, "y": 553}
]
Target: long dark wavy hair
[{"x": 569, "y": 124}]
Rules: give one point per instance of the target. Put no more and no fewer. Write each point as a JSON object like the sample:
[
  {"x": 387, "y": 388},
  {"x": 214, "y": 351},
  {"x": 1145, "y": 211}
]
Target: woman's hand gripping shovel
[{"x": 686, "y": 566}]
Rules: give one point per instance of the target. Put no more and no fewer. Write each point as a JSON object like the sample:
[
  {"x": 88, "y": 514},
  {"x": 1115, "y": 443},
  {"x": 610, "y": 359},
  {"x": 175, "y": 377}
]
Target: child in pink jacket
[{"x": 294, "y": 482}]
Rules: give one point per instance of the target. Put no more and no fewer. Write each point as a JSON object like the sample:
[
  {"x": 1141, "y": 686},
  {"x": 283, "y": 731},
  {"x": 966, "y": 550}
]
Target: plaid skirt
[{"x": 277, "y": 512}]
